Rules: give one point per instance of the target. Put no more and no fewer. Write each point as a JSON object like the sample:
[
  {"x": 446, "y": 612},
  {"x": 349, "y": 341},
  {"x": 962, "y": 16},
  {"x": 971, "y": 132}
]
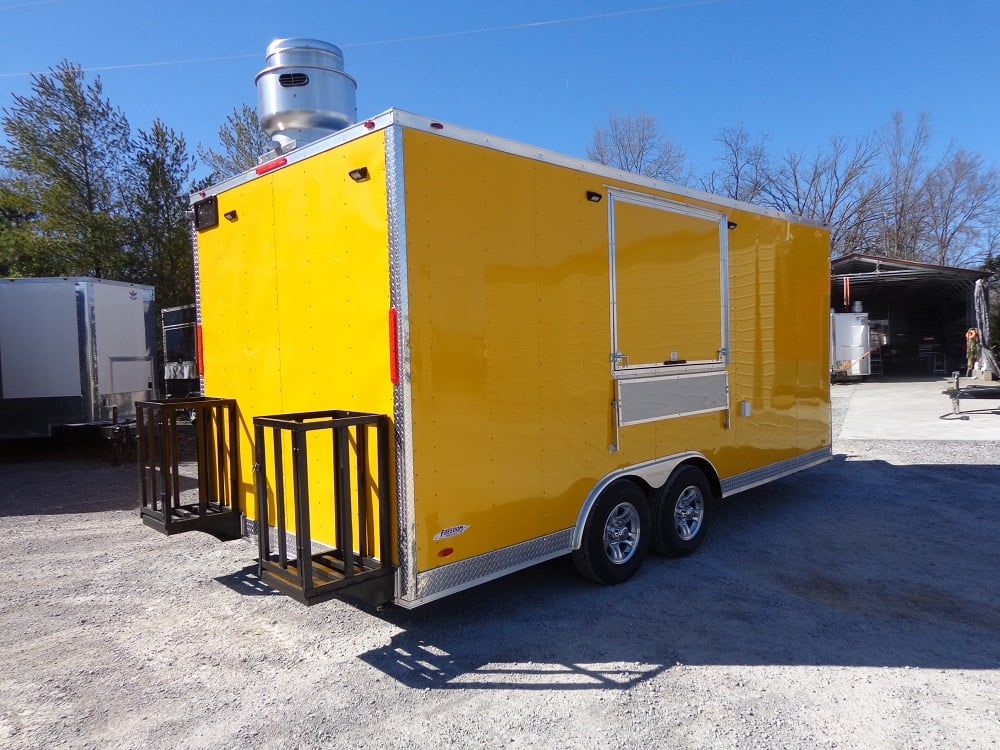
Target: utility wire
[
  {"x": 130, "y": 66},
  {"x": 536, "y": 24},
  {"x": 401, "y": 40},
  {"x": 28, "y": 5}
]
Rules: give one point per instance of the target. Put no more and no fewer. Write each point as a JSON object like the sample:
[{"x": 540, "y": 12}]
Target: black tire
[
  {"x": 682, "y": 509},
  {"x": 616, "y": 536}
]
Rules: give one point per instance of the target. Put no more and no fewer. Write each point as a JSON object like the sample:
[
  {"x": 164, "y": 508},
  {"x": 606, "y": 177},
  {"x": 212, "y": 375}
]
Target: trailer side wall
[{"x": 510, "y": 315}]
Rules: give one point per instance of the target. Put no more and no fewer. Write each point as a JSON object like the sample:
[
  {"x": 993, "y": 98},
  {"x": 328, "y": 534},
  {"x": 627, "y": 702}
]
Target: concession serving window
[{"x": 668, "y": 266}]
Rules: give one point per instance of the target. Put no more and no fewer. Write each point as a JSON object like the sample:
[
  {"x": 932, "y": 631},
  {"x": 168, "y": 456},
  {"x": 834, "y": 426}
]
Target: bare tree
[
  {"x": 636, "y": 144},
  {"x": 876, "y": 193},
  {"x": 991, "y": 247},
  {"x": 903, "y": 212},
  {"x": 962, "y": 199},
  {"x": 835, "y": 187},
  {"x": 939, "y": 214},
  {"x": 745, "y": 170}
]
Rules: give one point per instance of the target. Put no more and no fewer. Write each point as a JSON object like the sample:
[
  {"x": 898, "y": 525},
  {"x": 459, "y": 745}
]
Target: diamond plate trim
[
  {"x": 765, "y": 474},
  {"x": 448, "y": 579},
  {"x": 197, "y": 298},
  {"x": 406, "y": 544}
]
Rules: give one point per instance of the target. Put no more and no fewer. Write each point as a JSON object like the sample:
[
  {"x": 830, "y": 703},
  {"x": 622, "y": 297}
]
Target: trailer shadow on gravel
[
  {"x": 45, "y": 476},
  {"x": 855, "y": 563},
  {"x": 76, "y": 472}
]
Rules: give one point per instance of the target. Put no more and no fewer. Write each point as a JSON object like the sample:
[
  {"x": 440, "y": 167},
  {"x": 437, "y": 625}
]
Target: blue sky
[{"x": 547, "y": 72}]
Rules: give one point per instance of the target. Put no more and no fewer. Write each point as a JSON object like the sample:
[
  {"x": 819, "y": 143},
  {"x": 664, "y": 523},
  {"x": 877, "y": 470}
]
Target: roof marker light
[{"x": 265, "y": 168}]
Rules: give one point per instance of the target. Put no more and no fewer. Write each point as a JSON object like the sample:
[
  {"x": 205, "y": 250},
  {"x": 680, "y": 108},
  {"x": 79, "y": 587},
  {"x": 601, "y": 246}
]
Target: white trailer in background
[
  {"x": 73, "y": 351},
  {"x": 849, "y": 345}
]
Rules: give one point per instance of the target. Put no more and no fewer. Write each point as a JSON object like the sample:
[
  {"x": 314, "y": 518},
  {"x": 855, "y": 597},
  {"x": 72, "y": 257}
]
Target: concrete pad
[{"x": 914, "y": 409}]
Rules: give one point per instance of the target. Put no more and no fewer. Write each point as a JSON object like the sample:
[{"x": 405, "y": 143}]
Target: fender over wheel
[
  {"x": 616, "y": 535},
  {"x": 681, "y": 512}
]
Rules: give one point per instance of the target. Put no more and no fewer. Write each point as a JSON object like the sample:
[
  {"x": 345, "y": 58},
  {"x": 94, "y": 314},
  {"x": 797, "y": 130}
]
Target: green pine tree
[{"x": 66, "y": 157}]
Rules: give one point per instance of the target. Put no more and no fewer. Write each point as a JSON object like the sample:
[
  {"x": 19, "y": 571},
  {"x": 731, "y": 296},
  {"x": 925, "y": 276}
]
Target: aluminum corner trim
[{"x": 402, "y": 395}]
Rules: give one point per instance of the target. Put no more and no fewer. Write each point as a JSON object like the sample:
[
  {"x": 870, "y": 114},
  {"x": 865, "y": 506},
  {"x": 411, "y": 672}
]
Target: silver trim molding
[
  {"x": 464, "y": 574},
  {"x": 765, "y": 474}
]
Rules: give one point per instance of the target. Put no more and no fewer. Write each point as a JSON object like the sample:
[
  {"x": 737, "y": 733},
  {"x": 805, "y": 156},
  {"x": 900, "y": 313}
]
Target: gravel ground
[{"x": 852, "y": 605}]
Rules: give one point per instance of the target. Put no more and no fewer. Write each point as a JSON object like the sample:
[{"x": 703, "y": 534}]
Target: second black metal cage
[{"x": 360, "y": 506}]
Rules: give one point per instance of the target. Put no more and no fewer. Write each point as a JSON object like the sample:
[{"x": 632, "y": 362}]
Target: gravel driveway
[{"x": 856, "y": 604}]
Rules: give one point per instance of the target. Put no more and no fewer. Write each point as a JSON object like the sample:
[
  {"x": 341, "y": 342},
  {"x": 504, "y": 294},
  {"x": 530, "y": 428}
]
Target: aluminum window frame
[{"x": 620, "y": 367}]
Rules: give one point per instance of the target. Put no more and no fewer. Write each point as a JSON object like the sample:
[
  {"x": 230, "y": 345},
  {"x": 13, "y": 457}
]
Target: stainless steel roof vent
[{"x": 304, "y": 94}]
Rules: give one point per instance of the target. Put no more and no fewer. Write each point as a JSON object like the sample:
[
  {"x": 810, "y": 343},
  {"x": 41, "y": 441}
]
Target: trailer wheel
[
  {"x": 681, "y": 511},
  {"x": 616, "y": 535}
]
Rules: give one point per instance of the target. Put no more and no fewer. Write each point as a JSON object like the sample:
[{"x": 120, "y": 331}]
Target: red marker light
[
  {"x": 198, "y": 350},
  {"x": 369, "y": 124},
  {"x": 446, "y": 551},
  {"x": 264, "y": 168},
  {"x": 393, "y": 346},
  {"x": 437, "y": 126}
]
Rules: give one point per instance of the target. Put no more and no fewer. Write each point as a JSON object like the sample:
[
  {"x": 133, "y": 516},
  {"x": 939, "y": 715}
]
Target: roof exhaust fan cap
[{"x": 303, "y": 93}]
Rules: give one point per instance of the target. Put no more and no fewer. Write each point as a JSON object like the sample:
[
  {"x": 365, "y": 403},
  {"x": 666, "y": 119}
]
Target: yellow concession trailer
[{"x": 433, "y": 356}]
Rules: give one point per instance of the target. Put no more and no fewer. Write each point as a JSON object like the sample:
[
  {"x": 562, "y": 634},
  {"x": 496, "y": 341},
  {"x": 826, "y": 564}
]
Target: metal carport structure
[{"x": 918, "y": 312}]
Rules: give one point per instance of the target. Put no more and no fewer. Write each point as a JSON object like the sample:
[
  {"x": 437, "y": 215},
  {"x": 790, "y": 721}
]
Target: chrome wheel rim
[
  {"x": 621, "y": 533},
  {"x": 689, "y": 513}
]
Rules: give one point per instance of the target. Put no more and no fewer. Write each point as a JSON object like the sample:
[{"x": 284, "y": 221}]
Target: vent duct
[{"x": 303, "y": 92}]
